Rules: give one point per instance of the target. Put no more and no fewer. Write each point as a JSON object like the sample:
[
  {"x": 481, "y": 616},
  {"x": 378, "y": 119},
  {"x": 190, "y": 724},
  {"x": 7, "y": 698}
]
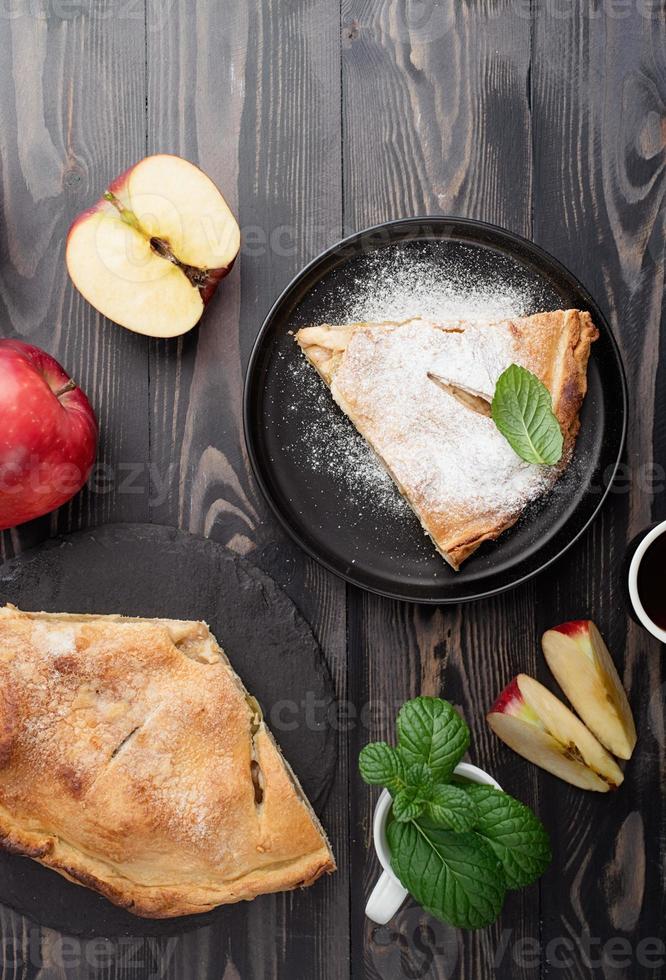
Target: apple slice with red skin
[
  {"x": 584, "y": 669},
  {"x": 48, "y": 434},
  {"x": 152, "y": 251},
  {"x": 536, "y": 725}
]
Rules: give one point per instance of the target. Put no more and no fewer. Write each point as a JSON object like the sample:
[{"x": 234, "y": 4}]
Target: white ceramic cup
[
  {"x": 388, "y": 894},
  {"x": 639, "y": 609}
]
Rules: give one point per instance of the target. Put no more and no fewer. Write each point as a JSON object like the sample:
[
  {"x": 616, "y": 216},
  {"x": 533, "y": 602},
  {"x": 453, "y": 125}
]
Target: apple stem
[
  {"x": 199, "y": 278},
  {"x": 128, "y": 216},
  {"x": 70, "y": 386}
]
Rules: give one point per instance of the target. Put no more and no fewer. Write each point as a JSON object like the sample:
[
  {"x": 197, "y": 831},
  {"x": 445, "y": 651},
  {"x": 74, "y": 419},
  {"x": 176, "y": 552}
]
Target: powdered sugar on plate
[
  {"x": 394, "y": 283},
  {"x": 398, "y": 284},
  {"x": 330, "y": 445}
]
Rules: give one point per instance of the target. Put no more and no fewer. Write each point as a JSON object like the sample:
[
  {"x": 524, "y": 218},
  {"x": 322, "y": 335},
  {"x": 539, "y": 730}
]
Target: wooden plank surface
[
  {"x": 598, "y": 109},
  {"x": 72, "y": 111},
  {"x": 317, "y": 118},
  {"x": 440, "y": 74},
  {"x": 272, "y": 144}
]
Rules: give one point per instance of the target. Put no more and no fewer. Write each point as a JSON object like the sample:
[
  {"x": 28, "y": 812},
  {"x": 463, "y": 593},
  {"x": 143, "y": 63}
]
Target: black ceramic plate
[
  {"x": 148, "y": 570},
  {"x": 322, "y": 480}
]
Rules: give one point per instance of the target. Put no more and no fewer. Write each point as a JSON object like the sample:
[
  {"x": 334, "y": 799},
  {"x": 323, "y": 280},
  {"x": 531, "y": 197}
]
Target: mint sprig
[
  {"x": 522, "y": 410},
  {"x": 455, "y": 877},
  {"x": 410, "y": 802},
  {"x": 407, "y": 805},
  {"x": 380, "y": 765},
  {"x": 456, "y": 846},
  {"x": 431, "y": 731},
  {"x": 452, "y": 807},
  {"x": 517, "y": 837}
]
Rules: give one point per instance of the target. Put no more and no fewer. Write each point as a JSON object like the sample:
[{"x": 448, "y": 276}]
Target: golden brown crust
[
  {"x": 130, "y": 756},
  {"x": 555, "y": 346},
  {"x": 557, "y": 349}
]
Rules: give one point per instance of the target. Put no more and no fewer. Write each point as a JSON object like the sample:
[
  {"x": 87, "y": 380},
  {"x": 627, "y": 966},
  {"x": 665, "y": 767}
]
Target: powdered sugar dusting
[
  {"x": 54, "y": 642},
  {"x": 395, "y": 283},
  {"x": 403, "y": 284},
  {"x": 330, "y": 445},
  {"x": 453, "y": 461}
]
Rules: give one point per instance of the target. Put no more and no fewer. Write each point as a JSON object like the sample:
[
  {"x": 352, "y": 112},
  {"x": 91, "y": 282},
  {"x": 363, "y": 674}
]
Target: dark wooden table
[{"x": 318, "y": 118}]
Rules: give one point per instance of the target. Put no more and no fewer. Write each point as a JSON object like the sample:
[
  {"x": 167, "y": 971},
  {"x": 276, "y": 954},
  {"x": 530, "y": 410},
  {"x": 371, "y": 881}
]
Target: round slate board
[{"x": 150, "y": 570}]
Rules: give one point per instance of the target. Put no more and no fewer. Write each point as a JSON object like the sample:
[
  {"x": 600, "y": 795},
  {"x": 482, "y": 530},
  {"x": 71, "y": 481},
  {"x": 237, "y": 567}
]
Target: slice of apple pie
[
  {"x": 133, "y": 761},
  {"x": 420, "y": 394}
]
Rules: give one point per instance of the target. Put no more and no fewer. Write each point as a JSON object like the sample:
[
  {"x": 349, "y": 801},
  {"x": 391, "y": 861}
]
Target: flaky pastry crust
[
  {"x": 555, "y": 346},
  {"x": 134, "y": 762}
]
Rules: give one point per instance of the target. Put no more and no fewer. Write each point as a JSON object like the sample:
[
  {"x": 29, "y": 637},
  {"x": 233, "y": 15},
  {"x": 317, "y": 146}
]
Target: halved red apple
[
  {"x": 584, "y": 669},
  {"x": 150, "y": 254},
  {"x": 536, "y": 725}
]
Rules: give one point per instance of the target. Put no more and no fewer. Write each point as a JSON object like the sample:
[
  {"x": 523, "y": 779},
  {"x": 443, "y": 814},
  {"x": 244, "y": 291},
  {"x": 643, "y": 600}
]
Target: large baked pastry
[
  {"x": 133, "y": 761},
  {"x": 420, "y": 394}
]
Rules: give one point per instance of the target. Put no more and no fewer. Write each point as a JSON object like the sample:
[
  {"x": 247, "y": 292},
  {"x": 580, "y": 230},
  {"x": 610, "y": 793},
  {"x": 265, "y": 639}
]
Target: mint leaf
[
  {"x": 407, "y": 805},
  {"x": 380, "y": 765},
  {"x": 452, "y": 808},
  {"x": 455, "y": 877},
  {"x": 419, "y": 778},
  {"x": 522, "y": 410},
  {"x": 410, "y": 802},
  {"x": 431, "y": 731},
  {"x": 515, "y": 834}
]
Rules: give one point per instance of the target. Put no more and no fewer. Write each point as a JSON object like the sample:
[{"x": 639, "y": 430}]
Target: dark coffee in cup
[
  {"x": 647, "y": 581},
  {"x": 651, "y": 581}
]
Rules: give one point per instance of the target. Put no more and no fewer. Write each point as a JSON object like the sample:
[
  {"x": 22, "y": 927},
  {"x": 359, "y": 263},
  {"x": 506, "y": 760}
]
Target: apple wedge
[
  {"x": 536, "y": 725},
  {"x": 584, "y": 669},
  {"x": 152, "y": 251}
]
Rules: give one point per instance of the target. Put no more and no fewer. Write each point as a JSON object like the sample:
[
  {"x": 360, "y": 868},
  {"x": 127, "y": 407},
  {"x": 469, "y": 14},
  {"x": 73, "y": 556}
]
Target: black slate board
[{"x": 150, "y": 570}]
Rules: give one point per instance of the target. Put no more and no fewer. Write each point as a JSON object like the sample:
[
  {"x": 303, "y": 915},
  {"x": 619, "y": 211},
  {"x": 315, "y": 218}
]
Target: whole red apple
[{"x": 48, "y": 434}]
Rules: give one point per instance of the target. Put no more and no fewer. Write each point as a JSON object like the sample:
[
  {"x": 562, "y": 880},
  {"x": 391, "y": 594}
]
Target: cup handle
[{"x": 386, "y": 898}]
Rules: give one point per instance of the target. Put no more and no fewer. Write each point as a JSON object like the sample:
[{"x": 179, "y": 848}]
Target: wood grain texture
[
  {"x": 546, "y": 118},
  {"x": 453, "y": 131},
  {"x": 72, "y": 107},
  {"x": 599, "y": 167},
  {"x": 250, "y": 92},
  {"x": 436, "y": 115}
]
